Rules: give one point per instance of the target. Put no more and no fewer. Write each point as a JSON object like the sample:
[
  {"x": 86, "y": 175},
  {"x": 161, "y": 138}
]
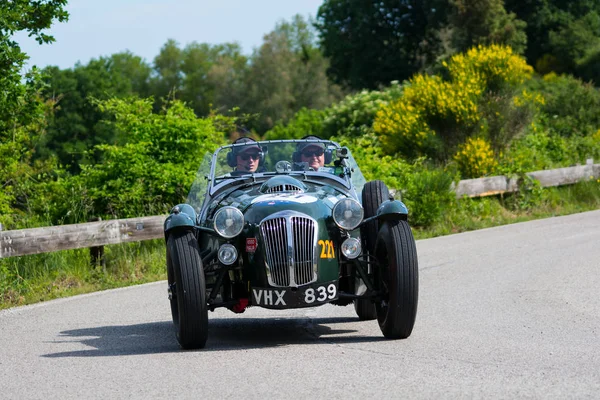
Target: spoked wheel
[
  {"x": 187, "y": 290},
  {"x": 374, "y": 193},
  {"x": 396, "y": 253}
]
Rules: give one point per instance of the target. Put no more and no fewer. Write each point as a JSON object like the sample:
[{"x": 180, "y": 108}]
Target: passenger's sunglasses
[
  {"x": 246, "y": 157},
  {"x": 309, "y": 153}
]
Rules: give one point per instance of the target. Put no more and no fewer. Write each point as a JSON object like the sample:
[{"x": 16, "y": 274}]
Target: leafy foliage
[
  {"x": 155, "y": 167},
  {"x": 374, "y": 43},
  {"x": 475, "y": 158},
  {"x": 352, "y": 116},
  {"x": 424, "y": 190},
  {"x": 563, "y": 35},
  {"x": 75, "y": 126},
  {"x": 288, "y": 73},
  {"x": 434, "y": 115},
  {"x": 571, "y": 106},
  {"x": 485, "y": 22},
  {"x": 22, "y": 112}
]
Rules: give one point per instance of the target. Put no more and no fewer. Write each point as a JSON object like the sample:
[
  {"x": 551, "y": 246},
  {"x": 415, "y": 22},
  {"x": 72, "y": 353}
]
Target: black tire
[
  {"x": 365, "y": 309},
  {"x": 188, "y": 301},
  {"x": 398, "y": 276},
  {"x": 374, "y": 193}
]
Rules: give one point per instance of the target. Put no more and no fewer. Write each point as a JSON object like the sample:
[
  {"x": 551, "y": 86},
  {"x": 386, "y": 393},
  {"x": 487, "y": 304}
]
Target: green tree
[
  {"x": 203, "y": 68},
  {"x": 574, "y": 44},
  {"x": 562, "y": 34},
  {"x": 227, "y": 78},
  {"x": 168, "y": 77},
  {"x": 485, "y": 22},
  {"x": 22, "y": 113},
  {"x": 371, "y": 43},
  {"x": 287, "y": 73},
  {"x": 75, "y": 126},
  {"x": 156, "y": 165},
  {"x": 205, "y": 76}
]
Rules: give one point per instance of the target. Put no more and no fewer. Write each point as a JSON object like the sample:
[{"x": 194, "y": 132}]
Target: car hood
[{"x": 281, "y": 193}]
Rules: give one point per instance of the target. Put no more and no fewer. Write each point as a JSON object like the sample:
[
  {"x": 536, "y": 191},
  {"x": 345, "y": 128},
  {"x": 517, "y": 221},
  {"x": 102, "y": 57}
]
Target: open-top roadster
[{"x": 289, "y": 236}]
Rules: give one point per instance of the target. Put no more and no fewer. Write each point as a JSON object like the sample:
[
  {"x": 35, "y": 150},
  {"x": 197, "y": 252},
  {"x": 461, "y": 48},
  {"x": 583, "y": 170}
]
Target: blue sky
[{"x": 104, "y": 27}]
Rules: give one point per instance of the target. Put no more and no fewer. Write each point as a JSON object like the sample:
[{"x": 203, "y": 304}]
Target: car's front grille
[{"x": 289, "y": 242}]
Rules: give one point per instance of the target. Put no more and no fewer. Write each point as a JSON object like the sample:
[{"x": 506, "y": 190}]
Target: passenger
[
  {"x": 312, "y": 153},
  {"x": 245, "y": 159}
]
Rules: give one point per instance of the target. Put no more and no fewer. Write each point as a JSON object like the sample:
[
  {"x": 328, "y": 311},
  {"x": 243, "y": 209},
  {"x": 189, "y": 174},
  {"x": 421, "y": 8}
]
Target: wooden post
[{"x": 97, "y": 252}]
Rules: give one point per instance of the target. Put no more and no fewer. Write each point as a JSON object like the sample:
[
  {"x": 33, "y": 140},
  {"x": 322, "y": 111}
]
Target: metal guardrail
[{"x": 94, "y": 235}]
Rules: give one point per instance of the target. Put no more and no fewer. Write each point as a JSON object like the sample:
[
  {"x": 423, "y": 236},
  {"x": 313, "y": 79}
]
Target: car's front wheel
[
  {"x": 373, "y": 194},
  {"x": 398, "y": 275},
  {"x": 187, "y": 290}
]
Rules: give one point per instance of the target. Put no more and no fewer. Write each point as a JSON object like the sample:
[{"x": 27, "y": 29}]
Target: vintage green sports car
[{"x": 288, "y": 236}]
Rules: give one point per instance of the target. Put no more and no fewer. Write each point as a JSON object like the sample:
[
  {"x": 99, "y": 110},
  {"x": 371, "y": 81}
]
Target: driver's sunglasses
[
  {"x": 309, "y": 153},
  {"x": 246, "y": 157}
]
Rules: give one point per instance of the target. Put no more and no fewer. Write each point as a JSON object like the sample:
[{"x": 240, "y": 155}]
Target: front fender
[
  {"x": 391, "y": 210},
  {"x": 181, "y": 215}
]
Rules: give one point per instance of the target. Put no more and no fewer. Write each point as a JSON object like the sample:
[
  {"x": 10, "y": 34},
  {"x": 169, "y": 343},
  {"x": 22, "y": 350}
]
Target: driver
[
  {"x": 312, "y": 153},
  {"x": 246, "y": 158}
]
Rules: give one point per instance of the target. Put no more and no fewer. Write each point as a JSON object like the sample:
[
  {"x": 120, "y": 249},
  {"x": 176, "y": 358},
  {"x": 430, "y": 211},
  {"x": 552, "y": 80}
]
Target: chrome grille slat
[{"x": 289, "y": 241}]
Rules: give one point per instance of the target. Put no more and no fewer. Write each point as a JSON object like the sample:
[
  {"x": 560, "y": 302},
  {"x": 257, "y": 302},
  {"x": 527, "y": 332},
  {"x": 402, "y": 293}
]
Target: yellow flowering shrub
[
  {"x": 475, "y": 158},
  {"x": 495, "y": 66},
  {"x": 401, "y": 126},
  {"x": 433, "y": 115},
  {"x": 439, "y": 99},
  {"x": 529, "y": 98}
]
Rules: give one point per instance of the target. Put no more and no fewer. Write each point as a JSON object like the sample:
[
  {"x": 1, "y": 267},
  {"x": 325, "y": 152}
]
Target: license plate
[{"x": 313, "y": 295}]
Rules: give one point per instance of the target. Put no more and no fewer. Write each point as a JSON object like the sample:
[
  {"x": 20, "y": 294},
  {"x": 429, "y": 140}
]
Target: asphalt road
[{"x": 508, "y": 312}]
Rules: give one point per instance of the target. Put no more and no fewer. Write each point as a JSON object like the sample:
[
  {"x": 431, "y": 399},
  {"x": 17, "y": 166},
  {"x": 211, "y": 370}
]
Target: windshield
[{"x": 252, "y": 161}]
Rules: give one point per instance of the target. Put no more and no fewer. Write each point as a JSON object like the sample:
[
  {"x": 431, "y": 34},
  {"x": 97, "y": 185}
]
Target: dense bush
[
  {"x": 475, "y": 158},
  {"x": 425, "y": 190},
  {"x": 571, "y": 106},
  {"x": 305, "y": 122},
  {"x": 157, "y": 164},
  {"x": 353, "y": 116},
  {"x": 542, "y": 148},
  {"x": 435, "y": 115}
]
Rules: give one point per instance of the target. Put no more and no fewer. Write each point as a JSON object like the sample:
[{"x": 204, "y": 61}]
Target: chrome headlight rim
[
  {"x": 237, "y": 215},
  {"x": 348, "y": 204}
]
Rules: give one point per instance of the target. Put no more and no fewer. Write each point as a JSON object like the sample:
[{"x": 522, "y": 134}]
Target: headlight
[
  {"x": 351, "y": 248},
  {"x": 227, "y": 254},
  {"x": 348, "y": 214},
  {"x": 229, "y": 222}
]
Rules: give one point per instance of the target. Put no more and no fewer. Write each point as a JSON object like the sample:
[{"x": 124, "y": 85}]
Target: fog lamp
[
  {"x": 227, "y": 254},
  {"x": 351, "y": 248}
]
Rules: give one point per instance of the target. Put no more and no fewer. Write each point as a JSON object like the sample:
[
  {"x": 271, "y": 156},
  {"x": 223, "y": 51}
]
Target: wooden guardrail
[
  {"x": 76, "y": 236},
  {"x": 494, "y": 185},
  {"x": 94, "y": 235}
]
